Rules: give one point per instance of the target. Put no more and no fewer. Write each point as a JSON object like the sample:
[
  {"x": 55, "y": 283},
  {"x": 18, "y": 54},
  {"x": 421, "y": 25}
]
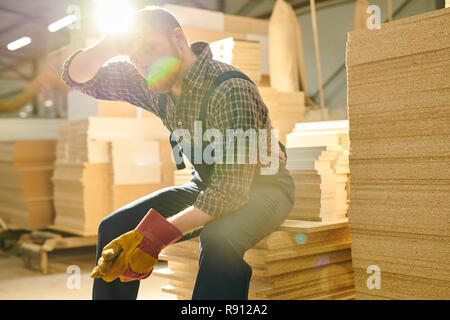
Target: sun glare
[{"x": 114, "y": 16}]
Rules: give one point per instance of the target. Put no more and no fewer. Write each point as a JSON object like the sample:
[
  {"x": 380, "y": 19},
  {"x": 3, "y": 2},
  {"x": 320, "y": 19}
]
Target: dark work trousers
[{"x": 223, "y": 274}]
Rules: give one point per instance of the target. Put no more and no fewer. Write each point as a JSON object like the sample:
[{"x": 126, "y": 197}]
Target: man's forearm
[
  {"x": 86, "y": 63},
  {"x": 190, "y": 219}
]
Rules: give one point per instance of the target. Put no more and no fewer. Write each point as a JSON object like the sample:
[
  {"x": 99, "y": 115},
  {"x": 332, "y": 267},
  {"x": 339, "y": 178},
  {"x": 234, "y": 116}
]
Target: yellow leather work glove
[{"x": 133, "y": 255}]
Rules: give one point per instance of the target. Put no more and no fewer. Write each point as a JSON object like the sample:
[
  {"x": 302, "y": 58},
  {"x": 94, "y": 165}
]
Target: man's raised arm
[
  {"x": 90, "y": 71},
  {"x": 87, "y": 62}
]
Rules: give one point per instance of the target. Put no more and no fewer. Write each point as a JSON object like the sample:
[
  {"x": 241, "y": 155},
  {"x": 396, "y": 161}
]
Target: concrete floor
[{"x": 18, "y": 282}]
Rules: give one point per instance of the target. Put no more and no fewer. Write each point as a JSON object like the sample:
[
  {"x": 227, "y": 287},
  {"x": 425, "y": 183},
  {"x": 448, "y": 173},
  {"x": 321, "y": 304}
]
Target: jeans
[{"x": 223, "y": 274}]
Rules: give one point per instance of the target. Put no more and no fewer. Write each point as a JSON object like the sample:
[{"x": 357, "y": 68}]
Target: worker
[{"x": 230, "y": 206}]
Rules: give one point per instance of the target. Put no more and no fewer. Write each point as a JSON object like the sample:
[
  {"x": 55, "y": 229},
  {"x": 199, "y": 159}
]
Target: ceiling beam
[
  {"x": 14, "y": 56},
  {"x": 22, "y": 14}
]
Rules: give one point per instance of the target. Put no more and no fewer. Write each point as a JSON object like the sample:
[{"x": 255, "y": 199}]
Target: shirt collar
[{"x": 196, "y": 73}]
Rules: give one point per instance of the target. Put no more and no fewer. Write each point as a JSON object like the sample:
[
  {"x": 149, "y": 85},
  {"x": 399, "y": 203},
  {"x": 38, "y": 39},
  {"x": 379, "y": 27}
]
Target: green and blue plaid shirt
[{"x": 229, "y": 183}]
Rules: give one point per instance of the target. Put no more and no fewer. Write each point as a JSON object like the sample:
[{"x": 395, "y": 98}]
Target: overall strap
[
  {"x": 221, "y": 78},
  {"x": 176, "y": 148},
  {"x": 162, "y": 105}
]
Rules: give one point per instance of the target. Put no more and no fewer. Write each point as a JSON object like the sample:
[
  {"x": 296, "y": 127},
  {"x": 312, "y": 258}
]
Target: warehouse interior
[{"x": 358, "y": 89}]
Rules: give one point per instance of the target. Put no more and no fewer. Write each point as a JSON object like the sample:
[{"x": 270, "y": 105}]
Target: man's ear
[{"x": 179, "y": 39}]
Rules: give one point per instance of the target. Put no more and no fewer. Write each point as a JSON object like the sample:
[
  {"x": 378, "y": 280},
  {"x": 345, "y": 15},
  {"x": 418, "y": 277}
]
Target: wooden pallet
[{"x": 43, "y": 242}]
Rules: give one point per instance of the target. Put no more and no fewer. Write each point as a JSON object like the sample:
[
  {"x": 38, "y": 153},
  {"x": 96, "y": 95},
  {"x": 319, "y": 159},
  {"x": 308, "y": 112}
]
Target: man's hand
[{"x": 133, "y": 255}]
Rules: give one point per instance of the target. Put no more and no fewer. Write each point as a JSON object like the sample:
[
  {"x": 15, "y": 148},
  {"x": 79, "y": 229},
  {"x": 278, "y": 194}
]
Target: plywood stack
[
  {"x": 318, "y": 162},
  {"x": 285, "y": 109},
  {"x": 104, "y": 163},
  {"x": 301, "y": 260},
  {"x": 26, "y": 190},
  {"x": 398, "y": 105},
  {"x": 244, "y": 55}
]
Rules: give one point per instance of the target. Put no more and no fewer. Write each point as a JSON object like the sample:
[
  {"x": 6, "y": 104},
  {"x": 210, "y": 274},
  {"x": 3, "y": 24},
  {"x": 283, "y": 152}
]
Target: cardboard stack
[
  {"x": 249, "y": 36},
  {"x": 318, "y": 161},
  {"x": 105, "y": 163},
  {"x": 26, "y": 190},
  {"x": 285, "y": 109},
  {"x": 27, "y": 153},
  {"x": 244, "y": 55},
  {"x": 398, "y": 105},
  {"x": 301, "y": 260}
]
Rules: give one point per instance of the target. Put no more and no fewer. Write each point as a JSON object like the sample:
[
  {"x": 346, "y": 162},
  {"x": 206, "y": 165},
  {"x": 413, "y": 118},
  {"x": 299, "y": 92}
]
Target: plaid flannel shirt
[{"x": 230, "y": 183}]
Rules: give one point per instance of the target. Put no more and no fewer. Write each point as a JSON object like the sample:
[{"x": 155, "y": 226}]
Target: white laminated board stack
[
  {"x": 318, "y": 161},
  {"x": 398, "y": 106}
]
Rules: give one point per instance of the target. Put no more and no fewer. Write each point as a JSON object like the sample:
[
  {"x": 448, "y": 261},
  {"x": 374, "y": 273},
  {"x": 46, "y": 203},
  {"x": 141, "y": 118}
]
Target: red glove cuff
[
  {"x": 131, "y": 275},
  {"x": 158, "y": 230}
]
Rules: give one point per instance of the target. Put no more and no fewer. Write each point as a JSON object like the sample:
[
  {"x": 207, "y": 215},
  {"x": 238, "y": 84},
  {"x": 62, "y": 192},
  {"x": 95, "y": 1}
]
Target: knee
[
  {"x": 109, "y": 229},
  {"x": 104, "y": 225},
  {"x": 217, "y": 239}
]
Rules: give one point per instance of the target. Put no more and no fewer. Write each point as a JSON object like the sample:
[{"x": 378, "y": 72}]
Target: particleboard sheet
[{"x": 398, "y": 98}]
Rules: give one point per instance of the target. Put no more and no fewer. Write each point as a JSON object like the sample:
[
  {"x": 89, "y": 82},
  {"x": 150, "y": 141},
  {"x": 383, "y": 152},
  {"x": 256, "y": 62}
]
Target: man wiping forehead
[{"x": 231, "y": 206}]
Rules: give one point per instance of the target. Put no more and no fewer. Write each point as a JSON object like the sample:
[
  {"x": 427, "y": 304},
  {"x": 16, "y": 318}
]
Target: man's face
[{"x": 157, "y": 60}]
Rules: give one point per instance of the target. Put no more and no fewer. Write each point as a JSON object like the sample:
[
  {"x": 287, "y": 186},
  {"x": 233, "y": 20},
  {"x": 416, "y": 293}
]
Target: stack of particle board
[
  {"x": 104, "y": 163},
  {"x": 26, "y": 190},
  {"x": 285, "y": 109},
  {"x": 398, "y": 105},
  {"x": 301, "y": 260},
  {"x": 244, "y": 55},
  {"x": 318, "y": 162}
]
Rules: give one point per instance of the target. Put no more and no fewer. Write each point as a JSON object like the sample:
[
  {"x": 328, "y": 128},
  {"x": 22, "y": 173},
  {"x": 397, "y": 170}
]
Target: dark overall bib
[{"x": 203, "y": 171}]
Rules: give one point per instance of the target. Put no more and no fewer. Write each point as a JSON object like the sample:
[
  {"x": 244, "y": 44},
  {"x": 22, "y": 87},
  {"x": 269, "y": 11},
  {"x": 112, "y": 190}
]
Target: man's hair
[{"x": 156, "y": 19}]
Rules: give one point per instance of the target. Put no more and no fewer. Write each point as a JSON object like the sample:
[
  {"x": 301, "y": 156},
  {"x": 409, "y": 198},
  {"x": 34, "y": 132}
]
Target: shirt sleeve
[
  {"x": 117, "y": 81},
  {"x": 237, "y": 108}
]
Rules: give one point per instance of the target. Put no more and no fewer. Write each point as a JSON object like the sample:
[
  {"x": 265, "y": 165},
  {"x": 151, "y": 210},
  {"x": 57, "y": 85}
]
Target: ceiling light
[
  {"x": 61, "y": 23},
  {"x": 19, "y": 43}
]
